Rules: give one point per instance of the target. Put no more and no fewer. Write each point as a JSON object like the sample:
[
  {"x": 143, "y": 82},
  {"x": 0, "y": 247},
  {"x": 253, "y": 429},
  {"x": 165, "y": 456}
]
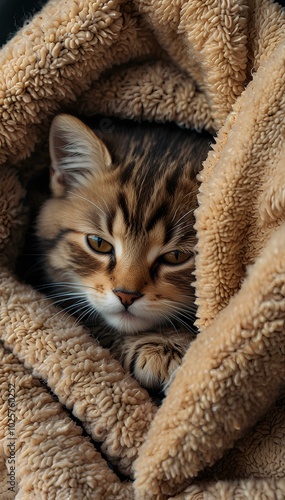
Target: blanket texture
[{"x": 72, "y": 423}]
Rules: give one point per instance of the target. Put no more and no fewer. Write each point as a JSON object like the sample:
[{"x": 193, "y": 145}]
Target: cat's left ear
[{"x": 76, "y": 154}]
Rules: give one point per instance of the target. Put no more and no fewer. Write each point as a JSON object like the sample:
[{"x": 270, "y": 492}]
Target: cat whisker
[
  {"x": 181, "y": 314},
  {"x": 187, "y": 316},
  {"x": 132, "y": 210},
  {"x": 185, "y": 215},
  {"x": 63, "y": 297},
  {"x": 68, "y": 309},
  {"x": 60, "y": 304},
  {"x": 85, "y": 309},
  {"x": 191, "y": 193},
  {"x": 88, "y": 201},
  {"x": 63, "y": 312},
  {"x": 67, "y": 293},
  {"x": 164, "y": 322},
  {"x": 190, "y": 314},
  {"x": 183, "y": 300},
  {"x": 179, "y": 307},
  {"x": 182, "y": 226},
  {"x": 64, "y": 285},
  {"x": 172, "y": 324},
  {"x": 177, "y": 319},
  {"x": 189, "y": 311},
  {"x": 78, "y": 321}
]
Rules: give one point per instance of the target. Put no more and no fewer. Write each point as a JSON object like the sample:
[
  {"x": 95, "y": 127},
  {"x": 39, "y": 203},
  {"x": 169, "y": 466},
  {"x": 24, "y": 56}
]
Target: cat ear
[{"x": 76, "y": 153}]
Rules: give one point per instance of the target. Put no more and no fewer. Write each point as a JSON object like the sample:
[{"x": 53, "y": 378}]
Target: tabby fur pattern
[{"x": 118, "y": 239}]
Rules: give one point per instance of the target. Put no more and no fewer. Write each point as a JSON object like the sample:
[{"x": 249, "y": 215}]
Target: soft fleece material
[{"x": 220, "y": 432}]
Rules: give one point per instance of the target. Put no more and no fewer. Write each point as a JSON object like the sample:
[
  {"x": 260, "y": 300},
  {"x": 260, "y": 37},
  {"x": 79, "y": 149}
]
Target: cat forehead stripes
[{"x": 124, "y": 240}]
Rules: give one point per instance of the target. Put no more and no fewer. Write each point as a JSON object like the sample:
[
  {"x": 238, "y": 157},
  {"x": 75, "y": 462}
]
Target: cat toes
[{"x": 154, "y": 364}]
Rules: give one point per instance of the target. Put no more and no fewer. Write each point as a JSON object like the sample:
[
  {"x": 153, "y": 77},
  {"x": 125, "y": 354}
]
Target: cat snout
[{"x": 127, "y": 297}]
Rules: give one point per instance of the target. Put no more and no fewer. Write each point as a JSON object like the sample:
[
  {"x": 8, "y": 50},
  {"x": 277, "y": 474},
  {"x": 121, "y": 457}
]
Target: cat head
[{"x": 117, "y": 233}]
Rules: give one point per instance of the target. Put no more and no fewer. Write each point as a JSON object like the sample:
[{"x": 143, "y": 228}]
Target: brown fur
[{"x": 138, "y": 194}]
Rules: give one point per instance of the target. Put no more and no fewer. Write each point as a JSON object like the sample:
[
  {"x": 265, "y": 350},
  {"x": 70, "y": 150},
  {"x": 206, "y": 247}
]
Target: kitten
[{"x": 118, "y": 240}]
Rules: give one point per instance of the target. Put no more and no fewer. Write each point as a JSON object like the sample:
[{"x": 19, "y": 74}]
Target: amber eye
[
  {"x": 176, "y": 257},
  {"x": 99, "y": 245}
]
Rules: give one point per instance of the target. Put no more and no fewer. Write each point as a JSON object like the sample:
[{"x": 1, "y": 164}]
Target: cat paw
[{"x": 153, "y": 359}]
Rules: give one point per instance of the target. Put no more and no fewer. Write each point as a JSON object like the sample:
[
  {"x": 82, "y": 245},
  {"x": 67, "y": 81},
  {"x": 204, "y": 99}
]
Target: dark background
[{"x": 13, "y": 14}]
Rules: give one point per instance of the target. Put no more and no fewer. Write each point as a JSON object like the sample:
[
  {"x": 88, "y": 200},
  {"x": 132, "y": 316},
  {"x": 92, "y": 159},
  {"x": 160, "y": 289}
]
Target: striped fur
[{"x": 134, "y": 188}]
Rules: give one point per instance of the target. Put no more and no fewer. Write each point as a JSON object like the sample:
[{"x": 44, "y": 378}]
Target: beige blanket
[{"x": 220, "y": 432}]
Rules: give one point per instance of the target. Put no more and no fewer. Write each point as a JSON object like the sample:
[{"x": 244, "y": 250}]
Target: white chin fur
[
  {"x": 128, "y": 323},
  {"x": 131, "y": 321}
]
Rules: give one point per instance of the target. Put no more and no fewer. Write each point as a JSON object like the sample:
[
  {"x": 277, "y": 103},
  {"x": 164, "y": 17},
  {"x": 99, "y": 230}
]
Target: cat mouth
[
  {"x": 127, "y": 316},
  {"x": 127, "y": 322},
  {"x": 123, "y": 314}
]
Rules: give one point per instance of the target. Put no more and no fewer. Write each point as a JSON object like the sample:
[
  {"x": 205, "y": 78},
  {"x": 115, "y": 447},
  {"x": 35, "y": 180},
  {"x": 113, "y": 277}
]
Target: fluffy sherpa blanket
[{"x": 73, "y": 424}]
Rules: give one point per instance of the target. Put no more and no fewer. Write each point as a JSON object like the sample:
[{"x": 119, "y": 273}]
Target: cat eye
[
  {"x": 98, "y": 244},
  {"x": 176, "y": 257}
]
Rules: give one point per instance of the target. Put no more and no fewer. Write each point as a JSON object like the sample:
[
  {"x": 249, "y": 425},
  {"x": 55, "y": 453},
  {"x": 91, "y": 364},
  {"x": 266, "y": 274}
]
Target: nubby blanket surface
[{"x": 72, "y": 423}]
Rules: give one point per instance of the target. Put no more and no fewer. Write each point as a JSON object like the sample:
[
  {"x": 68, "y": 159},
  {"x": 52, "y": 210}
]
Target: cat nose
[{"x": 127, "y": 297}]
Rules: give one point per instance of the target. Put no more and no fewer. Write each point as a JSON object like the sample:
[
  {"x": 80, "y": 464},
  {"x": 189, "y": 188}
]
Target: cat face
[{"x": 117, "y": 234}]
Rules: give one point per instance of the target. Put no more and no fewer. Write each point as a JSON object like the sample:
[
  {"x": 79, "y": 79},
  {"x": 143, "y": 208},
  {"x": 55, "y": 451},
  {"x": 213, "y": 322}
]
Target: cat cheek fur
[
  {"x": 137, "y": 187},
  {"x": 160, "y": 301}
]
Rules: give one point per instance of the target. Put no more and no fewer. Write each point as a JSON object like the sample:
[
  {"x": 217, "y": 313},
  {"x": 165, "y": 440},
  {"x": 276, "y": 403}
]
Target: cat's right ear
[{"x": 76, "y": 154}]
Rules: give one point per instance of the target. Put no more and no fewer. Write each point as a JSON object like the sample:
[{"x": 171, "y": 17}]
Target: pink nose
[{"x": 126, "y": 297}]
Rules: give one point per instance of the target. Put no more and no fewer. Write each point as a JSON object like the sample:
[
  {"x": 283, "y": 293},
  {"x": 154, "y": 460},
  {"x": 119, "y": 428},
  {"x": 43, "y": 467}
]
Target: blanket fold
[
  {"x": 51, "y": 452},
  {"x": 73, "y": 424},
  {"x": 241, "y": 352}
]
